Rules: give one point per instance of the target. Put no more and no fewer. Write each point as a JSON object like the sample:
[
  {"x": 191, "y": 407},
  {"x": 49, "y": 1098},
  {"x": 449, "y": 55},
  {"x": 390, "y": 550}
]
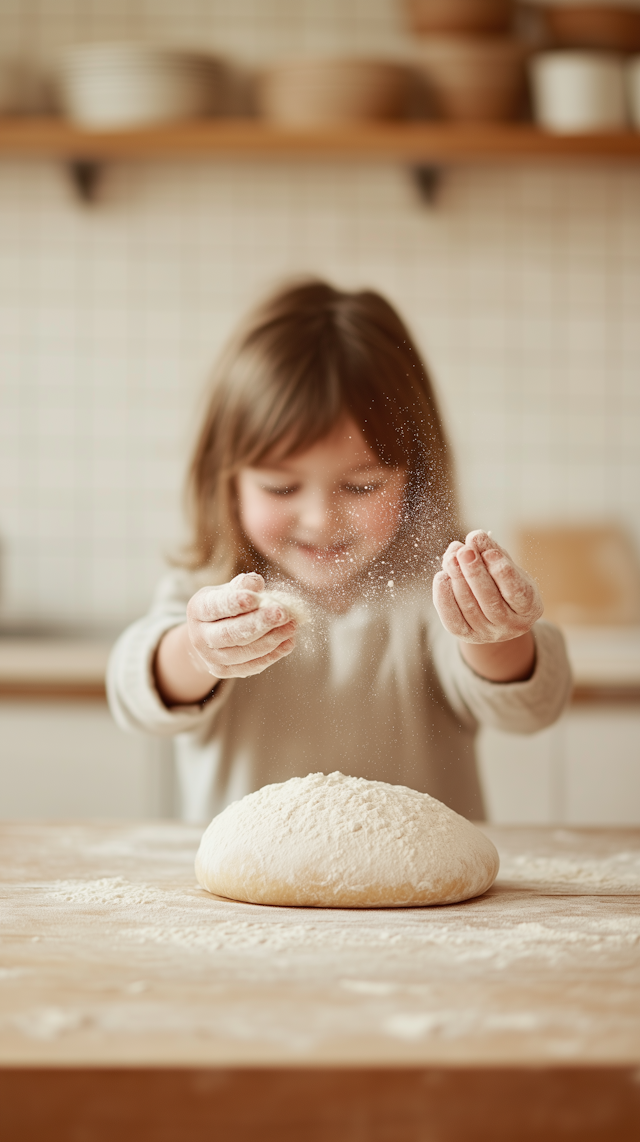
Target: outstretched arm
[
  {"x": 227, "y": 635},
  {"x": 490, "y": 605}
]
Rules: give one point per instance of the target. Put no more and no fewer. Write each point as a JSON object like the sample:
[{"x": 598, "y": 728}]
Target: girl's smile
[
  {"x": 322, "y": 515},
  {"x": 331, "y": 554}
]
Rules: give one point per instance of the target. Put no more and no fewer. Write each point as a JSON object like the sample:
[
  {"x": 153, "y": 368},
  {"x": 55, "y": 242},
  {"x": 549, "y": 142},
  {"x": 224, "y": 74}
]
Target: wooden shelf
[{"x": 414, "y": 142}]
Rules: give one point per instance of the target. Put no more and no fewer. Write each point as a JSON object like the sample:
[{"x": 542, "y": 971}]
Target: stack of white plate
[{"x": 133, "y": 85}]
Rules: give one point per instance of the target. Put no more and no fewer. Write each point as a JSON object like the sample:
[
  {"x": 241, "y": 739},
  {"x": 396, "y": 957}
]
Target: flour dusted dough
[{"x": 343, "y": 842}]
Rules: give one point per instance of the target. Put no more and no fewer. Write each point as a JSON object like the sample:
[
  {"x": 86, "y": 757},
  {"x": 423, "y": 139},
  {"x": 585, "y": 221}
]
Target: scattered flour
[
  {"x": 7, "y": 974},
  {"x": 493, "y": 948},
  {"x": 618, "y": 871},
  {"x": 49, "y": 1022},
  {"x": 452, "y": 1024},
  {"x": 112, "y": 890},
  {"x": 419, "y": 979}
]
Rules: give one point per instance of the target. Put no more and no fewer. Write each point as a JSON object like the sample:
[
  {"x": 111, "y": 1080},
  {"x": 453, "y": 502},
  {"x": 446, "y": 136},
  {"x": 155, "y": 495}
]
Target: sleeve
[
  {"x": 515, "y": 707},
  {"x": 133, "y": 697}
]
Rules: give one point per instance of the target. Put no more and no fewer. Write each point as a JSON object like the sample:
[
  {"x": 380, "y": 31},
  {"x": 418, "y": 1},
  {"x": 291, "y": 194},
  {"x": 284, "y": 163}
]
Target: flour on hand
[
  {"x": 293, "y": 604},
  {"x": 344, "y": 842}
]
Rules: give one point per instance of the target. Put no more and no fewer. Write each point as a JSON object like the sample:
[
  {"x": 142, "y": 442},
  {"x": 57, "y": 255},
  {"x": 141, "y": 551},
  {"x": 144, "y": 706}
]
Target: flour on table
[
  {"x": 296, "y": 607},
  {"x": 344, "y": 842},
  {"x": 114, "y": 891},
  {"x": 615, "y": 872}
]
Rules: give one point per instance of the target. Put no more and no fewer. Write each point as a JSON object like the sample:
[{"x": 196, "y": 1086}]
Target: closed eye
[
  {"x": 286, "y": 491},
  {"x": 362, "y": 489}
]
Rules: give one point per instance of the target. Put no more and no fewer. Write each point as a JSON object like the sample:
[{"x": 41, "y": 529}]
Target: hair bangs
[
  {"x": 386, "y": 406},
  {"x": 297, "y": 414}
]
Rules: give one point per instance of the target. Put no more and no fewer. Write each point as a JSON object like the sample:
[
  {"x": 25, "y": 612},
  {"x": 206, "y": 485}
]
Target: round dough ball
[{"x": 344, "y": 842}]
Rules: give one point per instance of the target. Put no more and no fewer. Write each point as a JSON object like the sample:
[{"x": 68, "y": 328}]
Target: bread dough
[
  {"x": 344, "y": 842},
  {"x": 296, "y": 606}
]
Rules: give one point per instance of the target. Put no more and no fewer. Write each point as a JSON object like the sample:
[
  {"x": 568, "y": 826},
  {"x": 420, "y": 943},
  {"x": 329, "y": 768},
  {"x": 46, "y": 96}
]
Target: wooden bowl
[
  {"x": 480, "y": 17},
  {"x": 316, "y": 91},
  {"x": 593, "y": 26},
  {"x": 474, "y": 78}
]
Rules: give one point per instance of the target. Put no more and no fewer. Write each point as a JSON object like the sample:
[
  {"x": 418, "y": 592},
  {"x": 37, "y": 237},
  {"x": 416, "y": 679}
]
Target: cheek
[
  {"x": 262, "y": 518},
  {"x": 379, "y": 519}
]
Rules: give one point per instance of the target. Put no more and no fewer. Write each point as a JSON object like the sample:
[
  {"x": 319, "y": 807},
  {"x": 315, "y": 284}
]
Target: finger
[
  {"x": 483, "y": 587},
  {"x": 261, "y": 664},
  {"x": 447, "y": 607},
  {"x": 451, "y": 549},
  {"x": 233, "y": 654},
  {"x": 516, "y": 587},
  {"x": 257, "y": 665},
  {"x": 519, "y": 591},
  {"x": 482, "y": 541},
  {"x": 466, "y": 600},
  {"x": 213, "y": 603},
  {"x": 450, "y": 560},
  {"x": 250, "y": 580},
  {"x": 241, "y": 630},
  {"x": 462, "y": 591}
]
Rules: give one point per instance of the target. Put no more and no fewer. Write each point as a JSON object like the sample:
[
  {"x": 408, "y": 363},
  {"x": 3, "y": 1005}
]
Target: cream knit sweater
[{"x": 380, "y": 692}]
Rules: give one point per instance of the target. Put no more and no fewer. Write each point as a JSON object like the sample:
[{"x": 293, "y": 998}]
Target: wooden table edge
[{"x": 329, "y": 1104}]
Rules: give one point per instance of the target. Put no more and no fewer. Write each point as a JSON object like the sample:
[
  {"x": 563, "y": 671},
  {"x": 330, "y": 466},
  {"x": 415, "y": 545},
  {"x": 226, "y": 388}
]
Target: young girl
[{"x": 322, "y": 466}]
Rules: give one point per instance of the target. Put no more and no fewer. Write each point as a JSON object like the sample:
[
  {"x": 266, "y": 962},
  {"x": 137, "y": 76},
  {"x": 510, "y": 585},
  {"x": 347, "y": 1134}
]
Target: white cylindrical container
[
  {"x": 577, "y": 91},
  {"x": 633, "y": 90}
]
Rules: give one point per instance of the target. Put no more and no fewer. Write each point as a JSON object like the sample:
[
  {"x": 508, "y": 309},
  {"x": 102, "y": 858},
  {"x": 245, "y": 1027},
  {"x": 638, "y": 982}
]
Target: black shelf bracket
[
  {"x": 85, "y": 176},
  {"x": 427, "y": 178}
]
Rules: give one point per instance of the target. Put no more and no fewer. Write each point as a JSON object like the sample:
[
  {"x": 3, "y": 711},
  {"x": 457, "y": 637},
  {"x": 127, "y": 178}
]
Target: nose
[{"x": 317, "y": 515}]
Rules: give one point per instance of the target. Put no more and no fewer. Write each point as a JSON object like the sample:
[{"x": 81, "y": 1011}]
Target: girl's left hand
[{"x": 481, "y": 595}]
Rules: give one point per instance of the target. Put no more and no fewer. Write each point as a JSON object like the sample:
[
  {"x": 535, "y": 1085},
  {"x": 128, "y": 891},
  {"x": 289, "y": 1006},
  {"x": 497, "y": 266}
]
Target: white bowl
[
  {"x": 579, "y": 91},
  {"x": 128, "y": 85},
  {"x": 633, "y": 90}
]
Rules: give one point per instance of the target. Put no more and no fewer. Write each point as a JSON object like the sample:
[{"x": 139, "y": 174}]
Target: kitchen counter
[
  {"x": 118, "y": 968},
  {"x": 53, "y": 667},
  {"x": 605, "y": 663}
]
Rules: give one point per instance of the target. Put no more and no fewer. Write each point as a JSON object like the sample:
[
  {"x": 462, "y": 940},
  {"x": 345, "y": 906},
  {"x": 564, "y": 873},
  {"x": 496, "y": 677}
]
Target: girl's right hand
[{"x": 231, "y": 635}]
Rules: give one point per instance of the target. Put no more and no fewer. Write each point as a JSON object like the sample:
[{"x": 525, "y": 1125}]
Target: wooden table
[{"x": 135, "y": 1006}]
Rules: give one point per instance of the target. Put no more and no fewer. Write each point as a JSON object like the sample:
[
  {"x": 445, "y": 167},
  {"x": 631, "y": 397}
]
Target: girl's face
[{"x": 322, "y": 515}]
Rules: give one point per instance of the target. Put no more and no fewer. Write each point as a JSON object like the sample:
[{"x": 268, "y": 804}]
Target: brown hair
[{"x": 307, "y": 356}]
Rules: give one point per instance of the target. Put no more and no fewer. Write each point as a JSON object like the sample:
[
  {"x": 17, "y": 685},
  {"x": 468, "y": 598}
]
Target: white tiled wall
[{"x": 522, "y": 285}]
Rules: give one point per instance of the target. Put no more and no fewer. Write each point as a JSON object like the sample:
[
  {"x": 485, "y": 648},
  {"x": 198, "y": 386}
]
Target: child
[{"x": 322, "y": 466}]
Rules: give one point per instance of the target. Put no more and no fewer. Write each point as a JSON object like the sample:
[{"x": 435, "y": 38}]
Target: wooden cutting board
[{"x": 587, "y": 575}]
